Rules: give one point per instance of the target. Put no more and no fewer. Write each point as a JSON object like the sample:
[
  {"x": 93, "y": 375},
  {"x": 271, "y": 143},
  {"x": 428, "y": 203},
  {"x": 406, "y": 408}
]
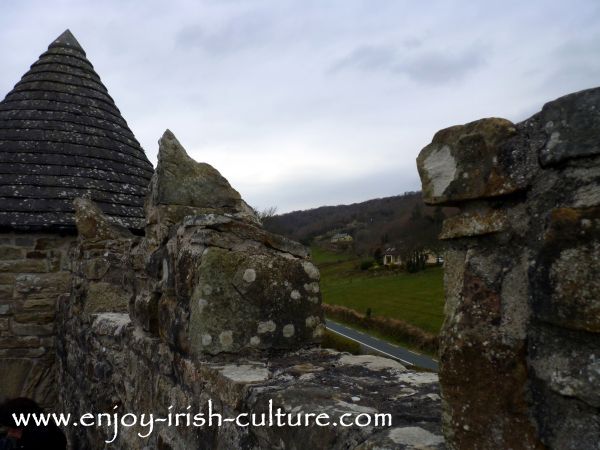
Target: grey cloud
[
  {"x": 368, "y": 58},
  {"x": 433, "y": 66},
  {"x": 237, "y": 33},
  {"x": 580, "y": 59}
]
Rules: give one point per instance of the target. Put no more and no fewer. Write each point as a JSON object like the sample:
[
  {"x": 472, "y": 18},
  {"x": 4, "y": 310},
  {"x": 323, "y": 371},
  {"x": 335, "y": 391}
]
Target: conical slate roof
[{"x": 61, "y": 137}]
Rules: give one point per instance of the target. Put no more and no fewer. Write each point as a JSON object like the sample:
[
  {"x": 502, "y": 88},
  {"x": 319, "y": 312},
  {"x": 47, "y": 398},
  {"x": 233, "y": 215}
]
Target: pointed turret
[
  {"x": 67, "y": 40},
  {"x": 62, "y": 137}
]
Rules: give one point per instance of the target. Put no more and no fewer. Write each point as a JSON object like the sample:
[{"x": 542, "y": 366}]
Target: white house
[{"x": 391, "y": 257}]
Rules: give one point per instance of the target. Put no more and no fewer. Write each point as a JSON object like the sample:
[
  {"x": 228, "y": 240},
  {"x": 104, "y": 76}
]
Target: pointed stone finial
[
  {"x": 92, "y": 223},
  {"x": 66, "y": 39},
  {"x": 179, "y": 180}
]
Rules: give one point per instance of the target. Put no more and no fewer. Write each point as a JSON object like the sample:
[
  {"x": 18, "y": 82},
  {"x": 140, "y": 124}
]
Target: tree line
[{"x": 403, "y": 222}]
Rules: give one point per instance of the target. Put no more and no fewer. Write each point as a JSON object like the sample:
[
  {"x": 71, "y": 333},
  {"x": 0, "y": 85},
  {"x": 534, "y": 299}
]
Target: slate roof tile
[{"x": 61, "y": 137}]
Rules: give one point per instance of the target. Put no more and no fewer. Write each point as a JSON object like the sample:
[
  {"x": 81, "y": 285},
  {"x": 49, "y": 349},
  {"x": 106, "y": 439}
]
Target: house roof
[{"x": 61, "y": 137}]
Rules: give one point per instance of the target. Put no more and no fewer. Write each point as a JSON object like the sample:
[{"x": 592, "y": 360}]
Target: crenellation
[
  {"x": 519, "y": 343},
  {"x": 213, "y": 316}
]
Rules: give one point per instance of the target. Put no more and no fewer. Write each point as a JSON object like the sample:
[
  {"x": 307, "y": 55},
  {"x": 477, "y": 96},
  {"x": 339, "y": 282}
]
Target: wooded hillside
[{"x": 402, "y": 221}]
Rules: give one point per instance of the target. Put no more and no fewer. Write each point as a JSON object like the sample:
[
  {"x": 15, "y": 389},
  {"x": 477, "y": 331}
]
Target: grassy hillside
[
  {"x": 414, "y": 298},
  {"x": 407, "y": 300}
]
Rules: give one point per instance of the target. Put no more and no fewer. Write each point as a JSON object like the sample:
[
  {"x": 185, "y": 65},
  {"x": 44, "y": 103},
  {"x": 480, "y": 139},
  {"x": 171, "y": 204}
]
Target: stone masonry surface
[
  {"x": 34, "y": 273},
  {"x": 520, "y": 345},
  {"x": 209, "y": 305}
]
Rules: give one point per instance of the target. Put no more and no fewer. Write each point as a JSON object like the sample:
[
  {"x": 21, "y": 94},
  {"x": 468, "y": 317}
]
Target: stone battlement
[
  {"x": 209, "y": 305},
  {"x": 520, "y": 346}
]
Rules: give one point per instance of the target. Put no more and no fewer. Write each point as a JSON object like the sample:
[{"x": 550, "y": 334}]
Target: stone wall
[
  {"x": 210, "y": 306},
  {"x": 33, "y": 274},
  {"x": 520, "y": 346}
]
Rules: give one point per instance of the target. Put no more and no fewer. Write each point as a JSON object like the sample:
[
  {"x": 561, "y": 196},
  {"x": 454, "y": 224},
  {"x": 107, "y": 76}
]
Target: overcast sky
[{"x": 314, "y": 102}]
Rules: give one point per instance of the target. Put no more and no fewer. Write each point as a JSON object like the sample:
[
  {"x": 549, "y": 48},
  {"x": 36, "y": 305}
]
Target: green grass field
[{"x": 414, "y": 298}]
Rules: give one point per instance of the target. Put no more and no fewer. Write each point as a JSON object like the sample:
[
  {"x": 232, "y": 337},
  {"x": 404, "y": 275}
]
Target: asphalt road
[{"x": 390, "y": 350}]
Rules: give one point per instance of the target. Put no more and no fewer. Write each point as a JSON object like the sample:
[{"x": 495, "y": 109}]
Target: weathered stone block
[
  {"x": 36, "y": 255},
  {"x": 514, "y": 292},
  {"x": 181, "y": 181},
  {"x": 564, "y": 423},
  {"x": 403, "y": 437},
  {"x": 25, "y": 241},
  {"x": 248, "y": 235},
  {"x": 7, "y": 278},
  {"x": 95, "y": 268},
  {"x": 572, "y": 126},
  {"x": 484, "y": 328},
  {"x": 41, "y": 383},
  {"x": 8, "y": 252},
  {"x": 474, "y": 224},
  {"x": 478, "y": 160},
  {"x": 587, "y": 196},
  {"x": 565, "y": 278},
  {"x": 146, "y": 311},
  {"x": 93, "y": 224},
  {"x": 37, "y": 316},
  {"x": 111, "y": 324},
  {"x": 31, "y": 329},
  {"x": 18, "y": 352},
  {"x": 172, "y": 323},
  {"x": 233, "y": 380},
  {"x": 6, "y": 292},
  {"x": 24, "y": 266},
  {"x": 36, "y": 304},
  {"x": 13, "y": 373},
  {"x": 41, "y": 286},
  {"x": 19, "y": 342},
  {"x": 106, "y": 297},
  {"x": 50, "y": 242},
  {"x": 251, "y": 300},
  {"x": 484, "y": 388},
  {"x": 568, "y": 363}
]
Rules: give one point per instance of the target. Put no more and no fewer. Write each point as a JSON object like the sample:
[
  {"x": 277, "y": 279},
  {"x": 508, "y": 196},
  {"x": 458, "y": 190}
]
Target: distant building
[
  {"x": 341, "y": 238},
  {"x": 391, "y": 257}
]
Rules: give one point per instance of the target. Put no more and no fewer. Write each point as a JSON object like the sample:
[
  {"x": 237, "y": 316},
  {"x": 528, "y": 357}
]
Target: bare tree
[{"x": 266, "y": 213}]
